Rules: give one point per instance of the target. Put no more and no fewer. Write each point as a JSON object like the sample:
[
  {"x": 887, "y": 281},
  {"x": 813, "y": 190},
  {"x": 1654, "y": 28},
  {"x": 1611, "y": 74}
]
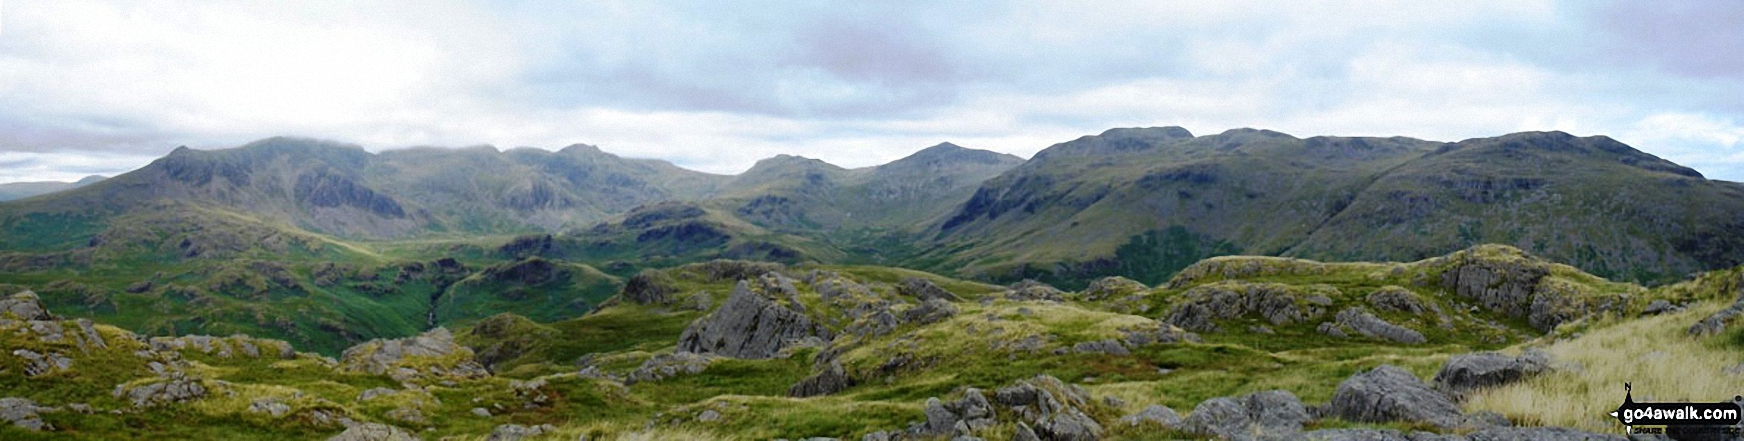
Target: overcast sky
[{"x": 104, "y": 87}]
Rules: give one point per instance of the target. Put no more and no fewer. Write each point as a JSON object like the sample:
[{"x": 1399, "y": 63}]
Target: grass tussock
[{"x": 1652, "y": 353}]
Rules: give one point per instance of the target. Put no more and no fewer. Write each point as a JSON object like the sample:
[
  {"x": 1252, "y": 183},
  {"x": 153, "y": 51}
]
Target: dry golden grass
[{"x": 1652, "y": 353}]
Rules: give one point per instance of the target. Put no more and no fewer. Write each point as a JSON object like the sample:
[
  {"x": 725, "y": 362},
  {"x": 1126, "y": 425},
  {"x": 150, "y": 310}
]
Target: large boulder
[
  {"x": 1362, "y": 322},
  {"x": 1033, "y": 290},
  {"x": 1276, "y": 303},
  {"x": 1467, "y": 372},
  {"x": 373, "y": 432},
  {"x": 23, "y": 413},
  {"x": 1053, "y": 408},
  {"x": 432, "y": 355},
  {"x": 1111, "y": 287},
  {"x": 24, "y": 306},
  {"x": 1154, "y": 414},
  {"x": 924, "y": 290},
  {"x": 1267, "y": 415},
  {"x": 663, "y": 366},
  {"x": 1388, "y": 393},
  {"x": 174, "y": 388},
  {"x": 831, "y": 379},
  {"x": 749, "y": 325},
  {"x": 932, "y": 310},
  {"x": 1507, "y": 280}
]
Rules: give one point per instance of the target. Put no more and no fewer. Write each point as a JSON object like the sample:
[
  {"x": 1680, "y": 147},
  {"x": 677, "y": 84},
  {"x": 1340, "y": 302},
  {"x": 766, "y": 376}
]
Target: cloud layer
[{"x": 98, "y": 87}]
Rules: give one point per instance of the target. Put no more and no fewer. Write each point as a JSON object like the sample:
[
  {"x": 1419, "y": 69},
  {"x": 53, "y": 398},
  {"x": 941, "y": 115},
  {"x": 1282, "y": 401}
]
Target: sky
[{"x": 105, "y": 87}]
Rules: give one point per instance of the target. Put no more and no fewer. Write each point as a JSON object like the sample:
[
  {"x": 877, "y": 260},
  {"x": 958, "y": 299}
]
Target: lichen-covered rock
[
  {"x": 430, "y": 355},
  {"x": 1356, "y": 319},
  {"x": 36, "y": 364},
  {"x": 1468, "y": 372},
  {"x": 1162, "y": 333},
  {"x": 878, "y": 323},
  {"x": 924, "y": 290},
  {"x": 749, "y": 325},
  {"x": 1154, "y": 414},
  {"x": 175, "y": 388},
  {"x": 663, "y": 366},
  {"x": 1199, "y": 307},
  {"x": 375, "y": 393},
  {"x": 373, "y": 432},
  {"x": 1388, "y": 393},
  {"x": 24, "y": 413},
  {"x": 831, "y": 379},
  {"x": 1052, "y": 407},
  {"x": 1719, "y": 320},
  {"x": 1266, "y": 415},
  {"x": 1110, "y": 347},
  {"x": 1033, "y": 290},
  {"x": 514, "y": 432},
  {"x": 1397, "y": 299},
  {"x": 930, "y": 311},
  {"x": 1111, "y": 287},
  {"x": 24, "y": 305},
  {"x": 226, "y": 347},
  {"x": 269, "y": 406},
  {"x": 1507, "y": 280}
]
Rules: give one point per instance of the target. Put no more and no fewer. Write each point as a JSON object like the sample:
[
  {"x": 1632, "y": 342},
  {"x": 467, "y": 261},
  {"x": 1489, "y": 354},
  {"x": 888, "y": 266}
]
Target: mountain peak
[
  {"x": 1169, "y": 132},
  {"x": 1558, "y": 142},
  {"x": 948, "y": 153}
]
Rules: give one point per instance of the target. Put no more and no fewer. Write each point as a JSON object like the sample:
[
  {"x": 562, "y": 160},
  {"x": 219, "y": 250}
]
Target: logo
[{"x": 1722, "y": 415}]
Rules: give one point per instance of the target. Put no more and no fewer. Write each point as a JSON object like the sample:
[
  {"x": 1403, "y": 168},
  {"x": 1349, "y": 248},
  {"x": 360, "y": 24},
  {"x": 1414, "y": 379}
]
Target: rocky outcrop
[
  {"x": 1509, "y": 281},
  {"x": 514, "y": 432},
  {"x": 24, "y": 413},
  {"x": 174, "y": 388},
  {"x": 1032, "y": 290},
  {"x": 23, "y": 306},
  {"x": 719, "y": 270},
  {"x": 39, "y": 364},
  {"x": 1388, "y": 393},
  {"x": 373, "y": 432},
  {"x": 930, "y": 311},
  {"x": 1362, "y": 322},
  {"x": 1719, "y": 320},
  {"x": 1051, "y": 407},
  {"x": 1163, "y": 333},
  {"x": 650, "y": 287},
  {"x": 1397, "y": 299},
  {"x": 831, "y": 379},
  {"x": 749, "y": 325},
  {"x": 924, "y": 290},
  {"x": 226, "y": 347},
  {"x": 1268, "y": 415},
  {"x": 1279, "y": 304},
  {"x": 1154, "y": 414},
  {"x": 431, "y": 355},
  {"x": 1110, "y": 347},
  {"x": 1111, "y": 287},
  {"x": 1046, "y": 408},
  {"x": 1465, "y": 373},
  {"x": 663, "y": 366}
]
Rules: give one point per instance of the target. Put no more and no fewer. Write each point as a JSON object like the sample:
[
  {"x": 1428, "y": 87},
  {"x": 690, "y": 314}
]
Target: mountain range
[
  {"x": 1136, "y": 202},
  {"x": 1297, "y": 288}
]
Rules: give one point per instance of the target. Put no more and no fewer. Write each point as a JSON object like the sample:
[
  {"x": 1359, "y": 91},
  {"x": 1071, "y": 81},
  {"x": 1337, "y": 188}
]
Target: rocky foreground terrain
[{"x": 1488, "y": 343}]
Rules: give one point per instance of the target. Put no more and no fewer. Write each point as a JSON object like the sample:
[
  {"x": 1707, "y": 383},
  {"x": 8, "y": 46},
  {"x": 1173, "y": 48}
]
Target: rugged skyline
[{"x": 102, "y": 88}]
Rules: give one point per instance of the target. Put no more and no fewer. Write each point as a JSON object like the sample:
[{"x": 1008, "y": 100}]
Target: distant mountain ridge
[
  {"x": 1136, "y": 202},
  {"x": 1145, "y": 202},
  {"x": 20, "y": 190}
]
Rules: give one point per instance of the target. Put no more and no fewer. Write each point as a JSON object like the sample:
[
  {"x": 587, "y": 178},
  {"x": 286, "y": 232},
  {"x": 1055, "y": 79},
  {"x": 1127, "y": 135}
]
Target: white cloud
[{"x": 716, "y": 87}]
